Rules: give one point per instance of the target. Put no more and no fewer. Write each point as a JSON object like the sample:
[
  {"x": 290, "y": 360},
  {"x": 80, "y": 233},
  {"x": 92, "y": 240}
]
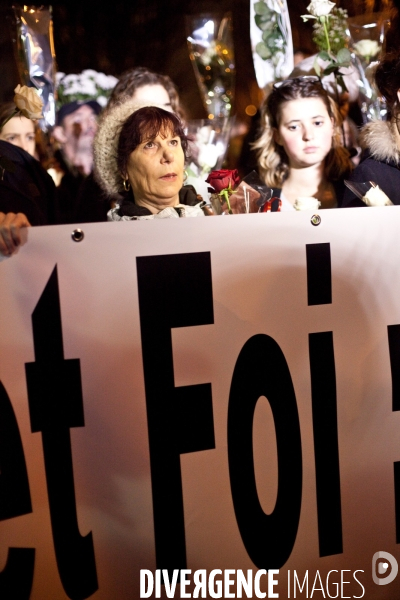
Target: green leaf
[
  {"x": 343, "y": 56},
  {"x": 262, "y": 18},
  {"x": 261, "y": 8},
  {"x": 263, "y": 23},
  {"x": 272, "y": 40},
  {"x": 323, "y": 55},
  {"x": 331, "y": 69},
  {"x": 267, "y": 31},
  {"x": 263, "y": 51},
  {"x": 316, "y": 67},
  {"x": 340, "y": 81}
]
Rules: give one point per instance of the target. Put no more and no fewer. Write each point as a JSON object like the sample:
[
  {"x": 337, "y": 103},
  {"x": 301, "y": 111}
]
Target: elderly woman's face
[{"x": 155, "y": 171}]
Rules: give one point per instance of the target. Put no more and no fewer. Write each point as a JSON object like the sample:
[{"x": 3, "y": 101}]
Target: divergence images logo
[{"x": 382, "y": 567}]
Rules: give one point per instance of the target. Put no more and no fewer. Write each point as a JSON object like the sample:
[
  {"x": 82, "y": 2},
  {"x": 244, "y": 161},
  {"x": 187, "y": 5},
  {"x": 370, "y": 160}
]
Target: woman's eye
[
  {"x": 292, "y": 127},
  {"x": 174, "y": 142},
  {"x": 318, "y": 123},
  {"x": 149, "y": 145},
  {"x": 31, "y": 138},
  {"x": 10, "y": 138}
]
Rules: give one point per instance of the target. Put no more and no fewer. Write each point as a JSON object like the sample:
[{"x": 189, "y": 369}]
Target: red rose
[{"x": 223, "y": 179}]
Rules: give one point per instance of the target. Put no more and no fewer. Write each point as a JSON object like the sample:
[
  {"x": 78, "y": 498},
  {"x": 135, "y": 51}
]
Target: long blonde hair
[{"x": 273, "y": 161}]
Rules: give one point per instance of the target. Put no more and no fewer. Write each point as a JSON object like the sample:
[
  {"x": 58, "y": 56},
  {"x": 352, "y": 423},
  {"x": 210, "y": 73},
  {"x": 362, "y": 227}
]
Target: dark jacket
[
  {"x": 79, "y": 198},
  {"x": 127, "y": 206},
  {"x": 380, "y": 162},
  {"x": 26, "y": 187}
]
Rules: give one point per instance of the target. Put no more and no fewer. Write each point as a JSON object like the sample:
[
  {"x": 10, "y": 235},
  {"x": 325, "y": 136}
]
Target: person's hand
[{"x": 10, "y": 231}]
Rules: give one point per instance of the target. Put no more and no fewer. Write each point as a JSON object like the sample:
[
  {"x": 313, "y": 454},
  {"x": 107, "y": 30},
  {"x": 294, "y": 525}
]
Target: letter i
[
  {"x": 158, "y": 583},
  {"x": 324, "y": 406},
  {"x": 288, "y": 583}
]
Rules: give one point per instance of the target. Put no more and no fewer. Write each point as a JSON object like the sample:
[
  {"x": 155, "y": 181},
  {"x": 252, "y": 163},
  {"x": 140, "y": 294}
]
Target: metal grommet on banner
[
  {"x": 315, "y": 220},
  {"x": 77, "y": 235}
]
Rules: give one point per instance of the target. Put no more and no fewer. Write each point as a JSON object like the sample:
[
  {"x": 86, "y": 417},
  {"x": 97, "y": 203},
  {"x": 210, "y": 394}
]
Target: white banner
[{"x": 135, "y": 430}]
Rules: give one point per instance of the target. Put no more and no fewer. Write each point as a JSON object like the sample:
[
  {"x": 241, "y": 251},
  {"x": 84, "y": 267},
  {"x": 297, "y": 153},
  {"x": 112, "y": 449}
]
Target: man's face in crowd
[{"x": 75, "y": 135}]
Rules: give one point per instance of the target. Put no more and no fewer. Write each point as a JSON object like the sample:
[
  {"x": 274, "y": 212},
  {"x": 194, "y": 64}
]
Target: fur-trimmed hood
[{"x": 382, "y": 139}]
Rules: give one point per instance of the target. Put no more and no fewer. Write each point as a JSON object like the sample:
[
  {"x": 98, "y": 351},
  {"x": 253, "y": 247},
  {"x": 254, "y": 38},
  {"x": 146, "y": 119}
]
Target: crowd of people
[{"x": 126, "y": 161}]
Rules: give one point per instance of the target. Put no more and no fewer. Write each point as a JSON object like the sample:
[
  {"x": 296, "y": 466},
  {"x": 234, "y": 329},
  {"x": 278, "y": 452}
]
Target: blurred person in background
[
  {"x": 145, "y": 86},
  {"x": 380, "y": 140},
  {"x": 76, "y": 126}
]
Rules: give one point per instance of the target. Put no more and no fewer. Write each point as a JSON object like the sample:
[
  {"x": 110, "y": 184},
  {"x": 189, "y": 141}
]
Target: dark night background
[{"x": 119, "y": 35}]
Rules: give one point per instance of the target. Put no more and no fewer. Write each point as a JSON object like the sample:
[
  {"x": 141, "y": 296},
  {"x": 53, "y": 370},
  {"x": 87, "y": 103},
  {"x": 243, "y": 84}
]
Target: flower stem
[
  {"x": 226, "y": 194},
  {"x": 324, "y": 20}
]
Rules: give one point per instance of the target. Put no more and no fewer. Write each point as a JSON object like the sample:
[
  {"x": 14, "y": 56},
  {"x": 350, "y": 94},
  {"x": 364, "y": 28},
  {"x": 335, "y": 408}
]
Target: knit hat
[{"x": 106, "y": 141}]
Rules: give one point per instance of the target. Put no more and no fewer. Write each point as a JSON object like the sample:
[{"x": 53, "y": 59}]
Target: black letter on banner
[
  {"x": 174, "y": 291},
  {"x": 326, "y": 446},
  {"x": 15, "y": 500},
  {"x": 324, "y": 409},
  {"x": 319, "y": 278},
  {"x": 394, "y": 352},
  {"x": 55, "y": 404},
  {"x": 261, "y": 370}
]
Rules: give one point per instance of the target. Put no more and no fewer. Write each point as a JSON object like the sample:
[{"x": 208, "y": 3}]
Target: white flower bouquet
[
  {"x": 88, "y": 85},
  {"x": 367, "y": 44},
  {"x": 328, "y": 35}
]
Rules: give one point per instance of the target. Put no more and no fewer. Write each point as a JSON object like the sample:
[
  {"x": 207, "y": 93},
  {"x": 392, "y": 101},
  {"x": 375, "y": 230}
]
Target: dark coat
[
  {"x": 26, "y": 187},
  {"x": 80, "y": 198},
  {"x": 380, "y": 163},
  {"x": 127, "y": 206}
]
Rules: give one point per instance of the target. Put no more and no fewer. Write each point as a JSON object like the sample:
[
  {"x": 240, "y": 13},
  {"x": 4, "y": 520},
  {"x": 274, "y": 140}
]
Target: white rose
[
  {"x": 367, "y": 48},
  {"x": 28, "y": 102},
  {"x": 67, "y": 79},
  {"x": 203, "y": 135},
  {"x": 71, "y": 89},
  {"x": 89, "y": 73},
  {"x": 208, "y": 156},
  {"x": 88, "y": 87},
  {"x": 209, "y": 53},
  {"x": 59, "y": 76},
  {"x": 112, "y": 81},
  {"x": 307, "y": 203},
  {"x": 376, "y": 197},
  {"x": 318, "y": 8},
  {"x": 102, "y": 100},
  {"x": 105, "y": 82}
]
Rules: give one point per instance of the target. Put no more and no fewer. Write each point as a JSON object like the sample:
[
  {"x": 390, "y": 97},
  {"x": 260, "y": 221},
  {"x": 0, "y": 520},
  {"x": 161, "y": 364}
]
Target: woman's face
[
  {"x": 305, "y": 131},
  {"x": 153, "y": 94},
  {"x": 20, "y": 131},
  {"x": 155, "y": 171}
]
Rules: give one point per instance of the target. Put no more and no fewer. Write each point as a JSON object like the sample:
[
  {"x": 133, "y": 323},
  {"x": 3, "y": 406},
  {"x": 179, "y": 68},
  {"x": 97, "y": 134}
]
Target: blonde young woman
[{"x": 299, "y": 150}]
